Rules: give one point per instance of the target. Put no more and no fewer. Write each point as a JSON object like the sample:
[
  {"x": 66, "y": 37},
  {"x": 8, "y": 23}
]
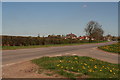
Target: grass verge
[
  {"x": 76, "y": 67},
  {"x": 115, "y": 48},
  {"x": 39, "y": 46}
]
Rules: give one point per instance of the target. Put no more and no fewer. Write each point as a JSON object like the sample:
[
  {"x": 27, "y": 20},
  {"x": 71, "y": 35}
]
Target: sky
[
  {"x": 60, "y": 0},
  {"x": 47, "y": 18},
  {"x": 0, "y": 18}
]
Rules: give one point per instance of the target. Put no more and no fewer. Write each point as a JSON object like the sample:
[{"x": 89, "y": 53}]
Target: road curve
[{"x": 20, "y": 55}]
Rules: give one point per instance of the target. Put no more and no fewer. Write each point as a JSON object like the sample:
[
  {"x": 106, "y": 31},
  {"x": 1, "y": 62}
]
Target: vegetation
[
  {"x": 18, "y": 42},
  {"x": 76, "y": 67},
  {"x": 49, "y": 45},
  {"x": 94, "y": 30},
  {"x": 112, "y": 48},
  {"x": 27, "y": 41}
]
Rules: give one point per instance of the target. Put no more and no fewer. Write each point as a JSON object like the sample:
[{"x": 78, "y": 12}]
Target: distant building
[
  {"x": 85, "y": 38},
  {"x": 108, "y": 37},
  {"x": 71, "y": 36}
]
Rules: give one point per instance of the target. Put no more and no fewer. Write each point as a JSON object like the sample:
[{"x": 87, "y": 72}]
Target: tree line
[
  {"x": 93, "y": 30},
  {"x": 26, "y": 41}
]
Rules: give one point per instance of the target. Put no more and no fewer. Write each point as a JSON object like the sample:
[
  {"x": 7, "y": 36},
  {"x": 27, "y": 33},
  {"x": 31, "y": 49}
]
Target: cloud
[{"x": 84, "y": 6}]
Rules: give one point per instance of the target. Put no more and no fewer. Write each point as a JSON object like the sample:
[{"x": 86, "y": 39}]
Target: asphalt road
[{"x": 10, "y": 57}]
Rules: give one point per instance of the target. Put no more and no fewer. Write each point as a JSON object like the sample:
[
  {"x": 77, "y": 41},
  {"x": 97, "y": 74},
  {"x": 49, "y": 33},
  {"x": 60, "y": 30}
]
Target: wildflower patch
[
  {"x": 115, "y": 48},
  {"x": 76, "y": 66}
]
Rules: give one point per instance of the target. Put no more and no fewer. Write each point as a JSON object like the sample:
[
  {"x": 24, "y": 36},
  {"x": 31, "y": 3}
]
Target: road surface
[{"x": 10, "y": 57}]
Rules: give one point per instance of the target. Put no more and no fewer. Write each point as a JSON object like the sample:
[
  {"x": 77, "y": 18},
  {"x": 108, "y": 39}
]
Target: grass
[
  {"x": 39, "y": 46},
  {"x": 115, "y": 48},
  {"x": 75, "y": 66}
]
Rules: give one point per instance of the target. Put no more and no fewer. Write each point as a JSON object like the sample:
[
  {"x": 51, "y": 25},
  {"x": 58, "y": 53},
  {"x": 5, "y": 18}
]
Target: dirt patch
[{"x": 27, "y": 70}]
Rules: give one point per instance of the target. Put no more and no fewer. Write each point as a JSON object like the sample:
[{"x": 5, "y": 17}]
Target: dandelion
[
  {"x": 100, "y": 70},
  {"x": 75, "y": 57},
  {"x": 78, "y": 70},
  {"x": 58, "y": 65},
  {"x": 90, "y": 59},
  {"x": 72, "y": 68},
  {"x": 61, "y": 66},
  {"x": 90, "y": 70},
  {"x": 88, "y": 66},
  {"x": 110, "y": 70},
  {"x": 85, "y": 64},
  {"x": 83, "y": 67},
  {"x": 76, "y": 62},
  {"x": 66, "y": 67},
  {"x": 95, "y": 66},
  {"x": 60, "y": 60}
]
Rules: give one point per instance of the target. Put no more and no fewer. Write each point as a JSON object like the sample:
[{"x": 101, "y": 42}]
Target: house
[
  {"x": 71, "y": 36},
  {"x": 108, "y": 37},
  {"x": 85, "y": 38}
]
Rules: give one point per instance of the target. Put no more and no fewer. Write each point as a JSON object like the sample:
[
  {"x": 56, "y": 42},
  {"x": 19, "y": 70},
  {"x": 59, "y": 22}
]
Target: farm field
[
  {"x": 111, "y": 48},
  {"x": 77, "y": 67}
]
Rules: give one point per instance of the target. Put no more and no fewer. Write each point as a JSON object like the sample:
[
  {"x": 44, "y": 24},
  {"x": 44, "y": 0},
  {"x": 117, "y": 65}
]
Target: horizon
[
  {"x": 59, "y": 18},
  {"x": 51, "y": 34}
]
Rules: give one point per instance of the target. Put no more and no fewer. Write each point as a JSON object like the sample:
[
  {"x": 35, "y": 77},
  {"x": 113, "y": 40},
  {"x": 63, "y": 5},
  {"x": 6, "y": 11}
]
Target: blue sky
[
  {"x": 33, "y": 18},
  {"x": 60, "y": 0},
  {"x": 0, "y": 18}
]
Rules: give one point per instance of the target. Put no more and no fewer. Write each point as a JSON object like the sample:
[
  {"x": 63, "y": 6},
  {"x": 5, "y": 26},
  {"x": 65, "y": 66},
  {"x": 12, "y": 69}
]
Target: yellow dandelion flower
[
  {"x": 61, "y": 66},
  {"x": 78, "y": 70},
  {"x": 83, "y": 67},
  {"x": 58, "y": 65},
  {"x": 71, "y": 67},
  {"x": 90, "y": 59},
  {"x": 110, "y": 70},
  {"x": 108, "y": 67},
  {"x": 95, "y": 66},
  {"x": 90, "y": 70},
  {"x": 85, "y": 64},
  {"x": 75, "y": 57},
  {"x": 100, "y": 70},
  {"x": 66, "y": 67},
  {"x": 60, "y": 60},
  {"x": 76, "y": 61}
]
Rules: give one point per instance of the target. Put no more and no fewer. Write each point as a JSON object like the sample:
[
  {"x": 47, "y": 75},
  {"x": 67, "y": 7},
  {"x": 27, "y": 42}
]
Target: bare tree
[{"x": 94, "y": 30}]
